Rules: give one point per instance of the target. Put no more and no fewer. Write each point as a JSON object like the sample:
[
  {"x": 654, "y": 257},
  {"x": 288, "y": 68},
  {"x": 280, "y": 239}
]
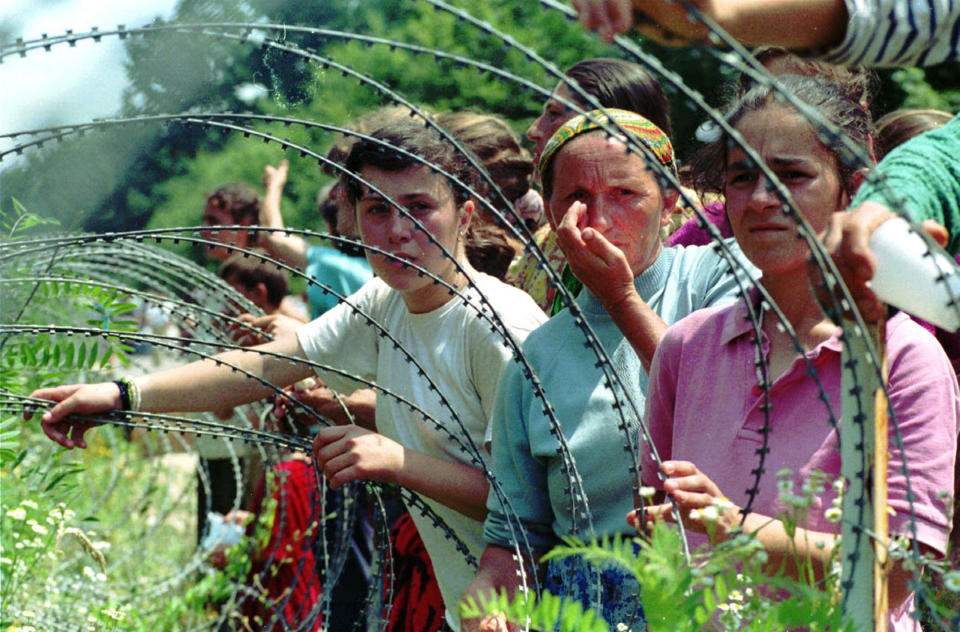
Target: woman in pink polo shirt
[{"x": 705, "y": 403}]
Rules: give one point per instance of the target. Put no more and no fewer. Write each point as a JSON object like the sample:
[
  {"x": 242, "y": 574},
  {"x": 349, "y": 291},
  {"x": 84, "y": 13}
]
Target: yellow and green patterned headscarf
[{"x": 636, "y": 126}]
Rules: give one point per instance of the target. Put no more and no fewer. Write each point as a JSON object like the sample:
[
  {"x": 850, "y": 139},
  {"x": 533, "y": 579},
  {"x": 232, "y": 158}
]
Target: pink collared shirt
[{"x": 704, "y": 405}]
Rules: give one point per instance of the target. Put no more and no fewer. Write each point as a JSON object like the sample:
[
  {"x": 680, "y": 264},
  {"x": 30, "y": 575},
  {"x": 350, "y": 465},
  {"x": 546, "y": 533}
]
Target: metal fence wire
[{"x": 143, "y": 469}]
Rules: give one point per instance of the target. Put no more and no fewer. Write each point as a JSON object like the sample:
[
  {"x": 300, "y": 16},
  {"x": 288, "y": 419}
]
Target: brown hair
[
  {"x": 399, "y": 144},
  {"x": 616, "y": 83},
  {"x": 489, "y": 250},
  {"x": 498, "y": 147},
  {"x": 833, "y": 104},
  {"x": 238, "y": 199},
  {"x": 855, "y": 81},
  {"x": 248, "y": 271},
  {"x": 899, "y": 126},
  {"x": 367, "y": 124}
]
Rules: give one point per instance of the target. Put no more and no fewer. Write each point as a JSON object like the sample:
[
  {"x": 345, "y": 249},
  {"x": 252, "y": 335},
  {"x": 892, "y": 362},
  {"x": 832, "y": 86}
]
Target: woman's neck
[
  {"x": 800, "y": 308},
  {"x": 438, "y": 294}
]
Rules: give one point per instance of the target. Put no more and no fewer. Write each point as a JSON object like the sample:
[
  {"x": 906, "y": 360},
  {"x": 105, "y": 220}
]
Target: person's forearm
[
  {"x": 498, "y": 571},
  {"x": 288, "y": 249},
  {"x": 640, "y": 325},
  {"x": 807, "y": 549},
  {"x": 794, "y": 24},
  {"x": 812, "y": 549},
  {"x": 207, "y": 385},
  {"x": 456, "y": 485}
]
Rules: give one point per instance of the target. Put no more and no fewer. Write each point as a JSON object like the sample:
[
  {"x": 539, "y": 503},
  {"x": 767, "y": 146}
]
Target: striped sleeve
[{"x": 898, "y": 33}]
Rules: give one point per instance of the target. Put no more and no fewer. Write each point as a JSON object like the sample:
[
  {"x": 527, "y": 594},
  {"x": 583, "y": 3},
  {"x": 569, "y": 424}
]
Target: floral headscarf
[{"x": 637, "y": 127}]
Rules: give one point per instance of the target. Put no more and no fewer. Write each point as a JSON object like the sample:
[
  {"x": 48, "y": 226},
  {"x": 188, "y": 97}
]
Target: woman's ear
[
  {"x": 669, "y": 205},
  {"x": 856, "y": 179},
  {"x": 466, "y": 214}
]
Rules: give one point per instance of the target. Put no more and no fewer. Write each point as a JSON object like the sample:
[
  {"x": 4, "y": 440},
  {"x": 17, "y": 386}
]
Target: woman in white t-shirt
[{"x": 429, "y": 332}]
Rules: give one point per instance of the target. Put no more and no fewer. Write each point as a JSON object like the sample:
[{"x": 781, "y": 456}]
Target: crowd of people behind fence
[{"x": 446, "y": 355}]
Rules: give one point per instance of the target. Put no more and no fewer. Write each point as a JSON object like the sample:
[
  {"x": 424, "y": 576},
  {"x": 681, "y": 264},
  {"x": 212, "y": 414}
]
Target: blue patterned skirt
[{"x": 607, "y": 589}]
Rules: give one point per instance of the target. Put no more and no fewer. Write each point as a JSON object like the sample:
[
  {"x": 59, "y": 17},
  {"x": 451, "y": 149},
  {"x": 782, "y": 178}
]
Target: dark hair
[
  {"x": 833, "y": 104},
  {"x": 328, "y": 211},
  {"x": 616, "y": 83},
  {"x": 489, "y": 250},
  {"x": 238, "y": 199},
  {"x": 248, "y": 271},
  {"x": 498, "y": 148},
  {"x": 412, "y": 138},
  {"x": 855, "y": 81},
  {"x": 899, "y": 126},
  {"x": 366, "y": 124}
]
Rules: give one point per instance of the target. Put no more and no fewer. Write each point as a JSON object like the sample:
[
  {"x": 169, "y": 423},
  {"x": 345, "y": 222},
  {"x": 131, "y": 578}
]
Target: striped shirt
[{"x": 899, "y": 33}]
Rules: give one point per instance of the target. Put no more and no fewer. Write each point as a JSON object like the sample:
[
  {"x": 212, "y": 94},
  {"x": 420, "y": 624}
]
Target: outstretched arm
[
  {"x": 289, "y": 249},
  {"x": 693, "y": 491},
  {"x": 604, "y": 269},
  {"x": 499, "y": 571},
  {"x": 205, "y": 385},
  {"x": 794, "y": 24}
]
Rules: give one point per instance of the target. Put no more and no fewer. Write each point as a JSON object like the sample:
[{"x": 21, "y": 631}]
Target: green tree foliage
[{"x": 132, "y": 176}]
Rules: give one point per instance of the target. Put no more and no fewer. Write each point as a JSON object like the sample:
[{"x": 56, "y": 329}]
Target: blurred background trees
[{"x": 156, "y": 175}]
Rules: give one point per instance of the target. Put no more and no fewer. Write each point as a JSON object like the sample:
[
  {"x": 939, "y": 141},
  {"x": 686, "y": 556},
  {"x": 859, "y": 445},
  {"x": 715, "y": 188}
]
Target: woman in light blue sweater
[{"x": 565, "y": 467}]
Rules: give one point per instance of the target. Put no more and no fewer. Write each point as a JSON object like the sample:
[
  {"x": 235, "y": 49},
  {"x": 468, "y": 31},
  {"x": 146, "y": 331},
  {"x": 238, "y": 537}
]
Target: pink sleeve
[
  {"x": 924, "y": 398},
  {"x": 660, "y": 406}
]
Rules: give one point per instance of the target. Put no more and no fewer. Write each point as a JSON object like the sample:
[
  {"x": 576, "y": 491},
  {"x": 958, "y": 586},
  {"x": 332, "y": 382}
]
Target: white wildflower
[
  {"x": 695, "y": 514},
  {"x": 709, "y": 513},
  {"x": 723, "y": 504},
  {"x": 17, "y": 514},
  {"x": 115, "y": 614},
  {"x": 29, "y": 503},
  {"x": 833, "y": 514},
  {"x": 647, "y": 492},
  {"x": 951, "y": 580},
  {"x": 90, "y": 574},
  {"x": 39, "y": 528}
]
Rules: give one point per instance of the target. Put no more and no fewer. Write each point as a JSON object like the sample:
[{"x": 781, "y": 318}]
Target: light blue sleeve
[
  {"x": 521, "y": 476},
  {"x": 714, "y": 278}
]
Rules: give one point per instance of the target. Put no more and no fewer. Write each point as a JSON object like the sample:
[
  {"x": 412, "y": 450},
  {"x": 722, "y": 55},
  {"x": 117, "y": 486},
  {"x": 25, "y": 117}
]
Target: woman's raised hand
[
  {"x": 85, "y": 399},
  {"x": 275, "y": 177},
  {"x": 599, "y": 265},
  {"x": 702, "y": 506}
]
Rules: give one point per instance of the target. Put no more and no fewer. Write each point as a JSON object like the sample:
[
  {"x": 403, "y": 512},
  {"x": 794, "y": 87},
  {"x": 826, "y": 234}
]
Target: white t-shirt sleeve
[
  {"x": 490, "y": 352},
  {"x": 345, "y": 338}
]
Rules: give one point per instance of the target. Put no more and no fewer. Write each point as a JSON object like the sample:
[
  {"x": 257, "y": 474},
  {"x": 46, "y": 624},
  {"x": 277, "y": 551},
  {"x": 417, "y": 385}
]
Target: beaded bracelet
[
  {"x": 135, "y": 393},
  {"x": 124, "y": 394},
  {"x": 129, "y": 394}
]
